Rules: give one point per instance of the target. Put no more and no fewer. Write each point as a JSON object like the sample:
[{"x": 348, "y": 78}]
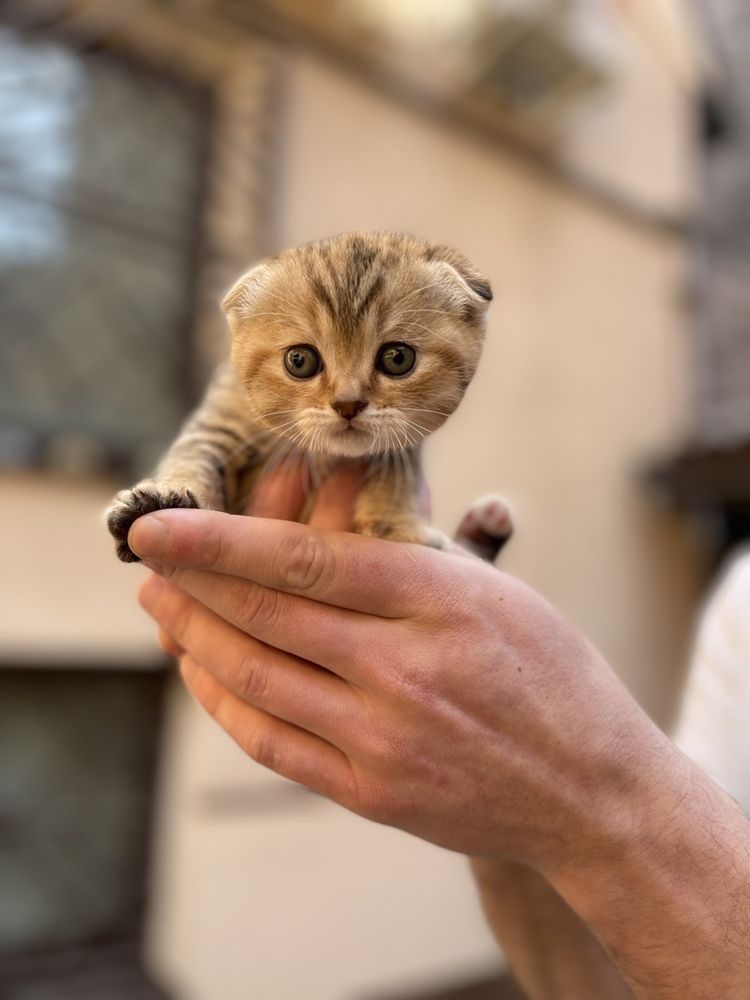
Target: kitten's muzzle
[{"x": 349, "y": 408}]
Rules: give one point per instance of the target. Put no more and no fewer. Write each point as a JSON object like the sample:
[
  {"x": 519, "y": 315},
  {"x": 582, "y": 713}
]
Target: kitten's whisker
[
  {"x": 374, "y": 448},
  {"x": 280, "y": 448},
  {"x": 414, "y": 426},
  {"x": 386, "y": 446},
  {"x": 402, "y": 426},
  {"x": 281, "y": 454},
  {"x": 285, "y": 423},
  {"x": 423, "y": 409},
  {"x": 280, "y": 413},
  {"x": 285, "y": 427},
  {"x": 382, "y": 440},
  {"x": 299, "y": 437},
  {"x": 410, "y": 436}
]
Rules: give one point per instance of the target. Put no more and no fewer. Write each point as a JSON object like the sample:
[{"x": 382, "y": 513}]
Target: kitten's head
[{"x": 358, "y": 344}]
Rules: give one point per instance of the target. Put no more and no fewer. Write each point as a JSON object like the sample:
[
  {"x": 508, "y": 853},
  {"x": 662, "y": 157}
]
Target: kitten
[{"x": 353, "y": 347}]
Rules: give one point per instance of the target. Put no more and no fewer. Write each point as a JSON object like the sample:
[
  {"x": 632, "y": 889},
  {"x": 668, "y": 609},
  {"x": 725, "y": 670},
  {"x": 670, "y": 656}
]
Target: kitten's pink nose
[{"x": 349, "y": 408}]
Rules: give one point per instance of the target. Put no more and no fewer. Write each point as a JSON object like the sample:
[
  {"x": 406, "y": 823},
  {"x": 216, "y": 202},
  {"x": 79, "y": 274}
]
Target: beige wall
[{"x": 581, "y": 382}]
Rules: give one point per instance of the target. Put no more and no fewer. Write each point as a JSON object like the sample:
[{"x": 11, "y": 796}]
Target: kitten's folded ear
[
  {"x": 462, "y": 274},
  {"x": 241, "y": 297}
]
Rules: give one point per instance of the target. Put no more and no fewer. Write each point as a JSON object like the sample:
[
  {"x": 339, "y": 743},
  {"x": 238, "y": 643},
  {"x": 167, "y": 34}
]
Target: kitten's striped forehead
[
  {"x": 349, "y": 285},
  {"x": 348, "y": 276}
]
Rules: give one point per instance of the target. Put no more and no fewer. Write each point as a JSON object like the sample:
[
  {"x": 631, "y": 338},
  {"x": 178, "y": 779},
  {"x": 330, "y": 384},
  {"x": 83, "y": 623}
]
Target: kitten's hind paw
[
  {"x": 406, "y": 530},
  {"x": 485, "y": 527},
  {"x": 129, "y": 505}
]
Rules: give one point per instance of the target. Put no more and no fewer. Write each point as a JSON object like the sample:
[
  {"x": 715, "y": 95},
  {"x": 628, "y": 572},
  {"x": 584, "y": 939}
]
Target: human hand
[
  {"x": 451, "y": 700},
  {"x": 438, "y": 695}
]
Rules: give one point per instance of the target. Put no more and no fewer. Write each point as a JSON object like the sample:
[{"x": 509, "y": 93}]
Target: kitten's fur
[{"x": 346, "y": 297}]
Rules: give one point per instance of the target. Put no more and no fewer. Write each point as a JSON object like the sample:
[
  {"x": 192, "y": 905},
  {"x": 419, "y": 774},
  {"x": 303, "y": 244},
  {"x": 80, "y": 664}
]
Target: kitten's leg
[
  {"x": 388, "y": 505},
  {"x": 200, "y": 468}
]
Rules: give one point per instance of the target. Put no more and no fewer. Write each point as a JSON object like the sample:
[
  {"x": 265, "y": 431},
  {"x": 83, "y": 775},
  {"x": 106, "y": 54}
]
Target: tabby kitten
[{"x": 353, "y": 347}]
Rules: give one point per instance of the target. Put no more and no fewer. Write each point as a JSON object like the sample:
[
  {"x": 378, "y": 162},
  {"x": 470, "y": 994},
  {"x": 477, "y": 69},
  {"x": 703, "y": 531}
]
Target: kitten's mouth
[
  {"x": 350, "y": 440},
  {"x": 352, "y": 434},
  {"x": 350, "y": 427}
]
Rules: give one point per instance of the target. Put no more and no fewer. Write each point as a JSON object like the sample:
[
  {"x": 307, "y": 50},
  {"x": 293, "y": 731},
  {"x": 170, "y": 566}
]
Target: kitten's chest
[{"x": 268, "y": 454}]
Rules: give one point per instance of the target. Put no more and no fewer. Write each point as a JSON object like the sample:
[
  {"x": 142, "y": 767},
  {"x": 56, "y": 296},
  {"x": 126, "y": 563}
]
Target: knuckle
[
  {"x": 172, "y": 610},
  {"x": 213, "y": 550},
  {"x": 259, "y": 606},
  {"x": 178, "y": 616},
  {"x": 253, "y": 680},
  {"x": 380, "y": 803},
  {"x": 386, "y": 745},
  {"x": 305, "y": 562},
  {"x": 412, "y": 679},
  {"x": 376, "y": 789},
  {"x": 173, "y": 574},
  {"x": 264, "y": 748}
]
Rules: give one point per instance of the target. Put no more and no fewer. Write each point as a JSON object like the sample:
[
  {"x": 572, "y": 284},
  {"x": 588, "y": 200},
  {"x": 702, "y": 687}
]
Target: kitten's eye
[
  {"x": 302, "y": 361},
  {"x": 396, "y": 359}
]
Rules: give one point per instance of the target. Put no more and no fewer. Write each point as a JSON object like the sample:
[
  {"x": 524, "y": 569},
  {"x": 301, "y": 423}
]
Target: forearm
[
  {"x": 551, "y": 951},
  {"x": 669, "y": 894}
]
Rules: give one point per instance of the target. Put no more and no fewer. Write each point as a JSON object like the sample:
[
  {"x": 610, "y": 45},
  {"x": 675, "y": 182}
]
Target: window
[{"x": 101, "y": 164}]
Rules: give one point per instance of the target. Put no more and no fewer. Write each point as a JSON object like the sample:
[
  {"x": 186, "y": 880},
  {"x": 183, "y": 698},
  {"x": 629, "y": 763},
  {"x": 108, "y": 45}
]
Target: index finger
[
  {"x": 334, "y": 503},
  {"x": 281, "y": 493},
  {"x": 371, "y": 575}
]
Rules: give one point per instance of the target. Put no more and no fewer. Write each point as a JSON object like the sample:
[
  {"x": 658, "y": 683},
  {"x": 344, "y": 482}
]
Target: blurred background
[{"x": 590, "y": 156}]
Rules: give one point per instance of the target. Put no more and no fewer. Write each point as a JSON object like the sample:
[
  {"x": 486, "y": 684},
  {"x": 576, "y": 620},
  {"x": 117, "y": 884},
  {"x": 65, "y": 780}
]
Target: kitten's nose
[{"x": 349, "y": 408}]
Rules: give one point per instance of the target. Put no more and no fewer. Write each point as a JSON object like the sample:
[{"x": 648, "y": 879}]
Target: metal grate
[{"x": 101, "y": 165}]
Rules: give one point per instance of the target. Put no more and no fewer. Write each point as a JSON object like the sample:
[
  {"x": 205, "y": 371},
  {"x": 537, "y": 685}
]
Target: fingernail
[{"x": 148, "y": 536}]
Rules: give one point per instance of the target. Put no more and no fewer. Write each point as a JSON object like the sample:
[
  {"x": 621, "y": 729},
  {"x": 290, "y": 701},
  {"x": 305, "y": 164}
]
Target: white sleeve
[{"x": 714, "y": 724}]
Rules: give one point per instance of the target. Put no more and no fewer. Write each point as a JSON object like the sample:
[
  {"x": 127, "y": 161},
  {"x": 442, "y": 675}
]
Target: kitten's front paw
[{"x": 129, "y": 505}]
